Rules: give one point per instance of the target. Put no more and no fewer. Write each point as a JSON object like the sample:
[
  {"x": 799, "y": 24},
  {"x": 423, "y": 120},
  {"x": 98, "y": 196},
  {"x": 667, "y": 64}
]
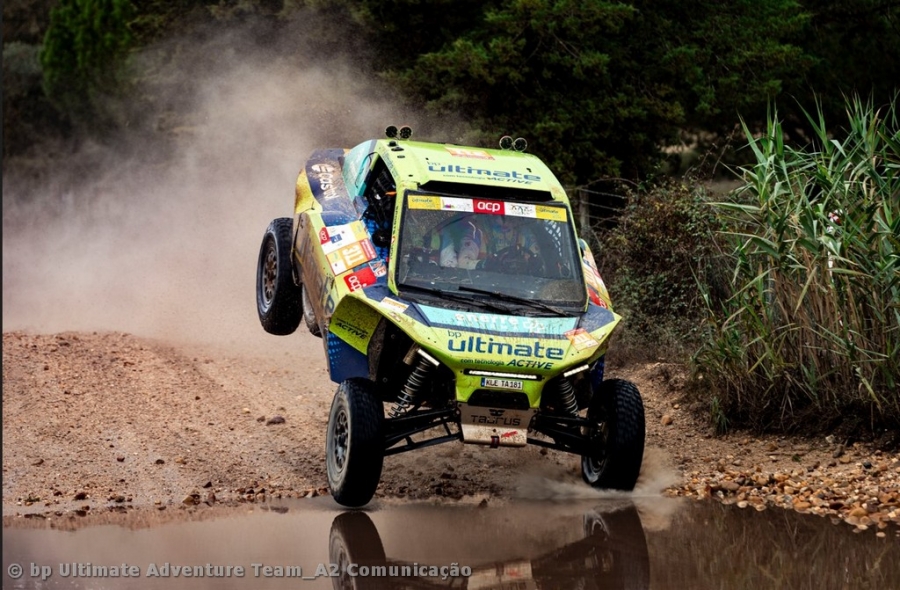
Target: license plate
[{"x": 500, "y": 383}]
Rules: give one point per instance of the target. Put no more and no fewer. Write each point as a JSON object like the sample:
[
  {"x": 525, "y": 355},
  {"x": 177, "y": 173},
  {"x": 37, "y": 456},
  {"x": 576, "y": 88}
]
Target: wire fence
[{"x": 595, "y": 211}]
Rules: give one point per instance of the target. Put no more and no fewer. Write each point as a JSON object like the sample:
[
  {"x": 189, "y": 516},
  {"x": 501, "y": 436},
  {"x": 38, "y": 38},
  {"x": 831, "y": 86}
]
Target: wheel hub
[
  {"x": 270, "y": 270},
  {"x": 340, "y": 440}
]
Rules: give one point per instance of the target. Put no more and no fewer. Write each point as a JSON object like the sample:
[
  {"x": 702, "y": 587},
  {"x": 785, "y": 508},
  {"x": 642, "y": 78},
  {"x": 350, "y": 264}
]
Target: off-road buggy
[{"x": 455, "y": 302}]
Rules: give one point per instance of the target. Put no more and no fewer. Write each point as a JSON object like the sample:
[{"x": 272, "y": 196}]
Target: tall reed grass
[{"x": 810, "y": 335}]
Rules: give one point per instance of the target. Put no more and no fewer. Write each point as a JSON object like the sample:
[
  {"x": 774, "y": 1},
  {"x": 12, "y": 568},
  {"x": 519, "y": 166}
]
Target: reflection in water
[
  {"x": 610, "y": 553},
  {"x": 645, "y": 542}
]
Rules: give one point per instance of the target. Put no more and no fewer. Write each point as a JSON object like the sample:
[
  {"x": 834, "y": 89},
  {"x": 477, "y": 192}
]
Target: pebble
[{"x": 864, "y": 494}]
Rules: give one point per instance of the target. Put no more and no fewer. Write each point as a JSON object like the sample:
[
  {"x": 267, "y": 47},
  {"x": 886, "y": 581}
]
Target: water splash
[{"x": 657, "y": 474}]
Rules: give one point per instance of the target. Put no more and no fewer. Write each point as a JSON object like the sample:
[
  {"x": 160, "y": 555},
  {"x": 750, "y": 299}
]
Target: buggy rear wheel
[
  {"x": 354, "y": 443},
  {"x": 277, "y": 296},
  {"x": 616, "y": 438}
]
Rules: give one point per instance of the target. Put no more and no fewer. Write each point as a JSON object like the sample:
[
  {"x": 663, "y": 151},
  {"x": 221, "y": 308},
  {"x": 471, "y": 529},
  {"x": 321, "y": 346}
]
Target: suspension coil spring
[
  {"x": 567, "y": 396},
  {"x": 414, "y": 384}
]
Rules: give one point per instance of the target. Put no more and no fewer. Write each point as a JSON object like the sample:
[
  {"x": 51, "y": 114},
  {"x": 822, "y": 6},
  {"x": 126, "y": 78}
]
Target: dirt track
[
  {"x": 100, "y": 422},
  {"x": 103, "y": 419}
]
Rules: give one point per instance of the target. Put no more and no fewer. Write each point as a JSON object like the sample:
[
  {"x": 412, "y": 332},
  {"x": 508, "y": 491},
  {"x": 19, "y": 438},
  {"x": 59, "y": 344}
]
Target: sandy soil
[{"x": 99, "y": 422}]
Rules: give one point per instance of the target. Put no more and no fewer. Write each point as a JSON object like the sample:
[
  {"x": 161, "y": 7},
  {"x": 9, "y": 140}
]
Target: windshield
[{"x": 500, "y": 248}]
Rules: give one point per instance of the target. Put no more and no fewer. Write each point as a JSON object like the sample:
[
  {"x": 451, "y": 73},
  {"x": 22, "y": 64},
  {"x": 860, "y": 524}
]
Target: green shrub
[
  {"x": 810, "y": 335},
  {"x": 663, "y": 242}
]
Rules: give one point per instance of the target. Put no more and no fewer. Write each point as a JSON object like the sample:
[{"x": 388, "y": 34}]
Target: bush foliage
[{"x": 661, "y": 249}]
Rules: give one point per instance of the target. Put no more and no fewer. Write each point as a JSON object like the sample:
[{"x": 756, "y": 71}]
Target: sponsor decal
[
  {"x": 498, "y": 323},
  {"x": 521, "y": 210},
  {"x": 394, "y": 305},
  {"x": 343, "y": 235},
  {"x": 529, "y": 364},
  {"x": 359, "y": 279},
  {"x": 581, "y": 339},
  {"x": 489, "y": 207},
  {"x": 496, "y": 417},
  {"x": 468, "y": 153},
  {"x": 329, "y": 305},
  {"x": 350, "y": 256},
  {"x": 368, "y": 248},
  {"x": 423, "y": 202},
  {"x": 456, "y": 204},
  {"x": 378, "y": 267},
  {"x": 325, "y": 175},
  {"x": 551, "y": 213},
  {"x": 482, "y": 345},
  {"x": 349, "y": 328},
  {"x": 323, "y": 235},
  {"x": 502, "y": 175}
]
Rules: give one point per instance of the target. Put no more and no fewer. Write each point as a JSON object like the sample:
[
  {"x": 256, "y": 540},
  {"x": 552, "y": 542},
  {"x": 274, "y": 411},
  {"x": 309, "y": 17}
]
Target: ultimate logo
[
  {"x": 490, "y": 346},
  {"x": 470, "y": 171}
]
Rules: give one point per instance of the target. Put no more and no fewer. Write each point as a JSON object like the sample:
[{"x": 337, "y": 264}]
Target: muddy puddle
[{"x": 602, "y": 542}]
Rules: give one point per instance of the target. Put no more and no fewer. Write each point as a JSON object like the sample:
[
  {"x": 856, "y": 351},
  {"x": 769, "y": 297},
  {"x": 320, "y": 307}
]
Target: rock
[
  {"x": 120, "y": 459},
  {"x": 160, "y": 462},
  {"x": 666, "y": 420},
  {"x": 275, "y": 420},
  {"x": 38, "y": 462},
  {"x": 80, "y": 496},
  {"x": 189, "y": 500}
]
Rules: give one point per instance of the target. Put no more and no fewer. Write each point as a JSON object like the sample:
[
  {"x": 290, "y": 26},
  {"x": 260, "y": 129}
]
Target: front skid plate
[{"x": 497, "y": 427}]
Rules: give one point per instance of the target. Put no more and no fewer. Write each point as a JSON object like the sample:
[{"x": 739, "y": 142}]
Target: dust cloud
[{"x": 157, "y": 232}]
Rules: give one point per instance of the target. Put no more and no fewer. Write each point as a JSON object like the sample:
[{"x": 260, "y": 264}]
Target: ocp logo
[
  {"x": 322, "y": 168},
  {"x": 492, "y": 207}
]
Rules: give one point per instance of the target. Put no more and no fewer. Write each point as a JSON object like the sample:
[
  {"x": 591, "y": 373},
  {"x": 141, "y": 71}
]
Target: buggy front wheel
[
  {"x": 354, "y": 443},
  {"x": 616, "y": 436}
]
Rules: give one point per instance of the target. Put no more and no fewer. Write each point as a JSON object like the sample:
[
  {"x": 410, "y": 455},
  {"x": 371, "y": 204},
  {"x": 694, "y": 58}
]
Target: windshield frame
[{"x": 571, "y": 259}]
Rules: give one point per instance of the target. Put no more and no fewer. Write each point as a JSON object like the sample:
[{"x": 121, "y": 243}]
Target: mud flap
[{"x": 345, "y": 362}]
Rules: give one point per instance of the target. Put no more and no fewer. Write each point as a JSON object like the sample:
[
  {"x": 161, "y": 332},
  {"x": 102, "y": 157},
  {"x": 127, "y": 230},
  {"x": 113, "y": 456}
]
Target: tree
[
  {"x": 83, "y": 52},
  {"x": 596, "y": 86}
]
